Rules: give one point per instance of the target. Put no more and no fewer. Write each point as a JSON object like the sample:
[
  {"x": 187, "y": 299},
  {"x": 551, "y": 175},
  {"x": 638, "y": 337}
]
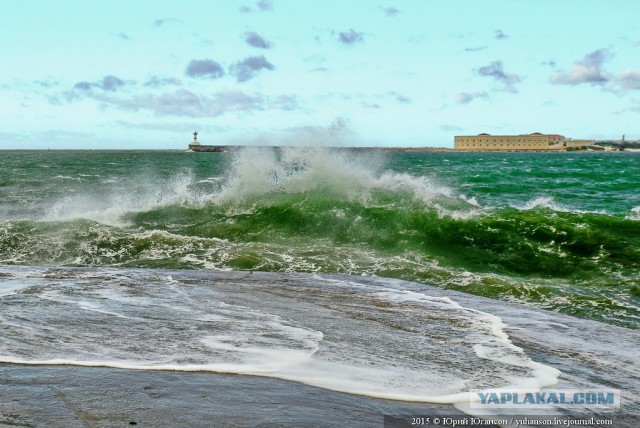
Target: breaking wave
[{"x": 337, "y": 211}]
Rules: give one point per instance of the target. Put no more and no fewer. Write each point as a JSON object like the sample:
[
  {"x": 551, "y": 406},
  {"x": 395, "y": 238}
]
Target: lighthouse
[{"x": 195, "y": 146}]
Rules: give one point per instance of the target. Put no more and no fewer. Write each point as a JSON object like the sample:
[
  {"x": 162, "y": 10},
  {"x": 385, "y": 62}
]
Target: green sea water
[{"x": 553, "y": 230}]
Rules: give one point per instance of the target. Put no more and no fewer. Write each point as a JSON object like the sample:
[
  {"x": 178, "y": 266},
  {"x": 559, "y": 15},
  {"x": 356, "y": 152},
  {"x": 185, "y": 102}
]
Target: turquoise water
[{"x": 553, "y": 230}]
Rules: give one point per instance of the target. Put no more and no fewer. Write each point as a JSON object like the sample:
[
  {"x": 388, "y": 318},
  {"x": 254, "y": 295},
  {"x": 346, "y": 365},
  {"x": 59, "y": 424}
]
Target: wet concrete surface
[{"x": 67, "y": 396}]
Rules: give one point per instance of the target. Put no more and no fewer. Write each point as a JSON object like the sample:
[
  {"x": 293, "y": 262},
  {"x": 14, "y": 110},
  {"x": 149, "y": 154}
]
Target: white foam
[
  {"x": 340, "y": 335},
  {"x": 542, "y": 202},
  {"x": 66, "y": 177},
  {"x": 550, "y": 203},
  {"x": 634, "y": 214}
]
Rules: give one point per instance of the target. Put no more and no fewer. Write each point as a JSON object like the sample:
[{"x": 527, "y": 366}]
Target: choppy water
[
  {"x": 553, "y": 230},
  {"x": 107, "y": 260}
]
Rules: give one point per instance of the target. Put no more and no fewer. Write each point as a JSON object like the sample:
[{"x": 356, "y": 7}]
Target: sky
[{"x": 407, "y": 73}]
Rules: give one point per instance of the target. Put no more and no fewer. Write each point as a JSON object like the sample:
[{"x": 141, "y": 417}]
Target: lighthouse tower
[{"x": 195, "y": 138}]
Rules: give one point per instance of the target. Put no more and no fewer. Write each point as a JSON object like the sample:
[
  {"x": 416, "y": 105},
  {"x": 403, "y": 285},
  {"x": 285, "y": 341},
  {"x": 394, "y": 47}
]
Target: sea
[{"x": 353, "y": 271}]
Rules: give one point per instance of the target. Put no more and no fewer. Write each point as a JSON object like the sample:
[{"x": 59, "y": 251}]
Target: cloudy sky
[{"x": 145, "y": 74}]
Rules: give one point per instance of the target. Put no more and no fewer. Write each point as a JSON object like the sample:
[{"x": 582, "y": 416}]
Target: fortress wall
[{"x": 502, "y": 142}]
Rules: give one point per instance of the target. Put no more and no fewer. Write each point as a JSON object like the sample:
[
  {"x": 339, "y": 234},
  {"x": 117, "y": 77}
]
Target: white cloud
[
  {"x": 588, "y": 70},
  {"x": 496, "y": 70},
  {"x": 466, "y": 97}
]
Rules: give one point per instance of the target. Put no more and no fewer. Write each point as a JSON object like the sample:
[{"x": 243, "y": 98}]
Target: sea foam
[{"x": 342, "y": 335}]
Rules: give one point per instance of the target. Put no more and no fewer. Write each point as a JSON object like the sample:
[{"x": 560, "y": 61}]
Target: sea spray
[
  {"x": 336, "y": 174},
  {"x": 257, "y": 171},
  {"x": 480, "y": 223}
]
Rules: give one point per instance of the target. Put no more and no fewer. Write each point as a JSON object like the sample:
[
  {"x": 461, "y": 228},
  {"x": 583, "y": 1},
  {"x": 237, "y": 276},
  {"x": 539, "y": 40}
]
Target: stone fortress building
[{"x": 516, "y": 143}]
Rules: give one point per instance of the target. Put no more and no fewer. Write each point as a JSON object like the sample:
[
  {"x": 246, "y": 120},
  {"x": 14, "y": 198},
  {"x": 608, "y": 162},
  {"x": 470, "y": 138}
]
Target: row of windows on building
[
  {"x": 494, "y": 145},
  {"x": 510, "y": 141},
  {"x": 502, "y": 143}
]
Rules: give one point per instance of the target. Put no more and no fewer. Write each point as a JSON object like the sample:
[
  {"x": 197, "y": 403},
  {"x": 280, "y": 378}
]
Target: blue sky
[{"x": 145, "y": 74}]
